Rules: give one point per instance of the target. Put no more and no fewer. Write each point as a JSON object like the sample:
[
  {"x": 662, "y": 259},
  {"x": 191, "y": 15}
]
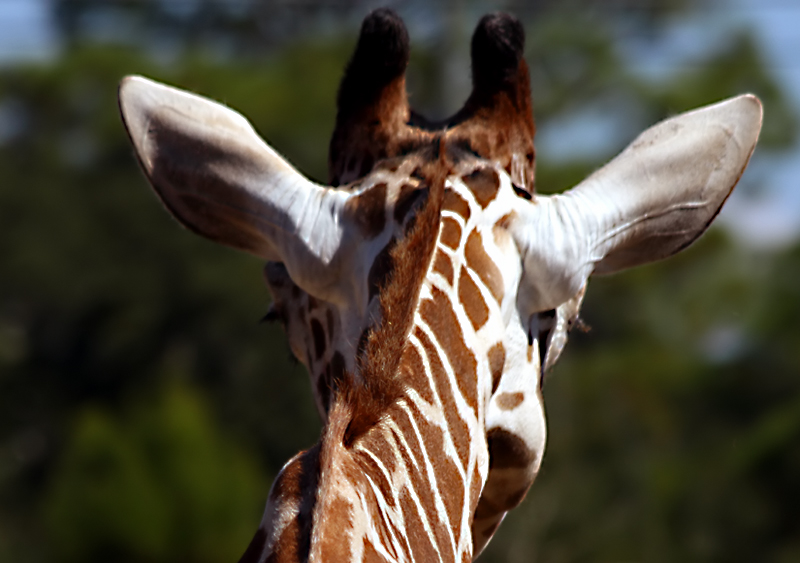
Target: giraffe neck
[
  {"x": 327, "y": 338},
  {"x": 409, "y": 488}
]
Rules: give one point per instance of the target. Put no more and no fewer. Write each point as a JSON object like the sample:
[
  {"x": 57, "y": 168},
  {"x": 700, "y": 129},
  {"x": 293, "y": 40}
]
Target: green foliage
[
  {"x": 99, "y": 291},
  {"x": 156, "y": 484}
]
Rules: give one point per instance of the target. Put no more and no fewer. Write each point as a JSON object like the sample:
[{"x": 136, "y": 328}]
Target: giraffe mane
[
  {"x": 360, "y": 402},
  {"x": 495, "y": 122}
]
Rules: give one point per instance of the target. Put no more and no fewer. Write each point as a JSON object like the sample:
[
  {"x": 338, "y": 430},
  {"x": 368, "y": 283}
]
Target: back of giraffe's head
[
  {"x": 221, "y": 180},
  {"x": 375, "y": 121}
]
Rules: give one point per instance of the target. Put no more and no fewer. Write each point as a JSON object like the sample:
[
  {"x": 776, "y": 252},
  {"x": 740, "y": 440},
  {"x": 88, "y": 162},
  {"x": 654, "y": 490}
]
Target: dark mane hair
[{"x": 360, "y": 401}]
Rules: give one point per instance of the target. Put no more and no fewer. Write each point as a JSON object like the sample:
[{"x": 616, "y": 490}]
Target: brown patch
[
  {"x": 481, "y": 141},
  {"x": 472, "y": 301},
  {"x": 417, "y": 476},
  {"x": 380, "y": 269},
  {"x": 484, "y": 184},
  {"x": 457, "y": 204},
  {"x": 412, "y": 371},
  {"x": 508, "y": 451},
  {"x": 451, "y": 485},
  {"x": 497, "y": 361},
  {"x": 419, "y": 542},
  {"x": 370, "y": 467},
  {"x": 451, "y": 233},
  {"x": 406, "y": 199},
  {"x": 371, "y": 554},
  {"x": 312, "y": 303},
  {"x": 444, "y": 266},
  {"x": 504, "y": 221},
  {"x": 338, "y": 514},
  {"x": 483, "y": 265},
  {"x": 514, "y": 497},
  {"x": 383, "y": 446},
  {"x": 440, "y": 317},
  {"x": 486, "y": 509},
  {"x": 459, "y": 431},
  {"x": 296, "y": 485},
  {"x": 368, "y": 210},
  {"x": 319, "y": 338},
  {"x": 476, "y": 486},
  {"x": 510, "y": 401}
]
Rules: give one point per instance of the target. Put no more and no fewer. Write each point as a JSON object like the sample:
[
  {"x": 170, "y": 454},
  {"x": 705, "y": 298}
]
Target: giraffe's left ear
[
  {"x": 220, "y": 179},
  {"x": 651, "y": 201}
]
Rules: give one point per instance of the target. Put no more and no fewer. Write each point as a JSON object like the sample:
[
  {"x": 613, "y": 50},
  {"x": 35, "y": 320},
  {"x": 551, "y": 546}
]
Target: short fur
[
  {"x": 361, "y": 401},
  {"x": 373, "y": 115},
  {"x": 374, "y": 121},
  {"x": 497, "y": 120}
]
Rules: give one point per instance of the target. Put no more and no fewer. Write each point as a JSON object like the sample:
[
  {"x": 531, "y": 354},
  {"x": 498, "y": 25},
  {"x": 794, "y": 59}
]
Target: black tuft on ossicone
[
  {"x": 497, "y": 48},
  {"x": 381, "y": 56}
]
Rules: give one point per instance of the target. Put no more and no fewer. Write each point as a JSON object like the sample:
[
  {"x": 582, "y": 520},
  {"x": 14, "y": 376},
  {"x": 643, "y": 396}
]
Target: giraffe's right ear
[
  {"x": 653, "y": 200},
  {"x": 221, "y": 180}
]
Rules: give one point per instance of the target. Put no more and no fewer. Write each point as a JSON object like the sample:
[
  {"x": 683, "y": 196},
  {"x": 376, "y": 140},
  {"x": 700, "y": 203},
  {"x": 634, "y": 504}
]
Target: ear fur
[
  {"x": 654, "y": 199},
  {"x": 221, "y": 180}
]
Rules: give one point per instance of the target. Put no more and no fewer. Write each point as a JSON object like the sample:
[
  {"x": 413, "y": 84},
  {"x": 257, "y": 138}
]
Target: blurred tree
[
  {"x": 158, "y": 484},
  {"x": 138, "y": 400},
  {"x": 98, "y": 289}
]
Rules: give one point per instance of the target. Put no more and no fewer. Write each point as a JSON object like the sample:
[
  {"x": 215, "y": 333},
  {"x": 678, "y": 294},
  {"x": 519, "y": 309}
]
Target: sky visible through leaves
[{"x": 767, "y": 215}]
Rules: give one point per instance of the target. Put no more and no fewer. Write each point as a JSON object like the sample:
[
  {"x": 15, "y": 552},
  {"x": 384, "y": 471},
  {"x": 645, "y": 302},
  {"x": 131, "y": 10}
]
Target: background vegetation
[{"x": 144, "y": 411}]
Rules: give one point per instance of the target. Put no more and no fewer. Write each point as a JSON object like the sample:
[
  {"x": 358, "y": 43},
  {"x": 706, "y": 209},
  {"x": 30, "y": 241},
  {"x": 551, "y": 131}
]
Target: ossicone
[
  {"x": 381, "y": 57},
  {"x": 497, "y": 48}
]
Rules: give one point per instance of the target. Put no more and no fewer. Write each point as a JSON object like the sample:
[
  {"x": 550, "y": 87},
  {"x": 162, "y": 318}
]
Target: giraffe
[{"x": 427, "y": 288}]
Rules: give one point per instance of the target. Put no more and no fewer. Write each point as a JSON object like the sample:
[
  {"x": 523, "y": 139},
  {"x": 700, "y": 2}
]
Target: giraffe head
[
  {"x": 429, "y": 253},
  {"x": 376, "y": 128}
]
